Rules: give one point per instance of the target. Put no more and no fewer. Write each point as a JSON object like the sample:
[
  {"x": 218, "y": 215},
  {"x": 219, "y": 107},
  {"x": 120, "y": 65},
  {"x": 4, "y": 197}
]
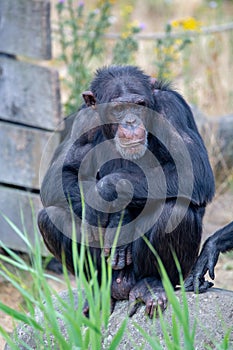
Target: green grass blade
[
  {"x": 8, "y": 339},
  {"x": 20, "y": 316},
  {"x": 17, "y": 230},
  {"x": 154, "y": 343}
]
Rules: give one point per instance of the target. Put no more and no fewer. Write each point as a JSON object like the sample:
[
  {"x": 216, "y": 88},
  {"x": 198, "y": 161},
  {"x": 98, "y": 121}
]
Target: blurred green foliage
[
  {"x": 200, "y": 65},
  {"x": 81, "y": 37}
]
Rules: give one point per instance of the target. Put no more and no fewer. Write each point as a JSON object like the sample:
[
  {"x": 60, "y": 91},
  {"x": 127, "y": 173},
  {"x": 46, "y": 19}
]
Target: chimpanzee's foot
[
  {"x": 86, "y": 308},
  {"x": 149, "y": 291},
  {"x": 112, "y": 304},
  {"x": 122, "y": 283},
  {"x": 54, "y": 266}
]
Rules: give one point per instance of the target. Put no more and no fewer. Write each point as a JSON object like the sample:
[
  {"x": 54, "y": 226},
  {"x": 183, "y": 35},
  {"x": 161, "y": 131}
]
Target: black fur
[
  {"x": 220, "y": 242},
  {"x": 126, "y": 84}
]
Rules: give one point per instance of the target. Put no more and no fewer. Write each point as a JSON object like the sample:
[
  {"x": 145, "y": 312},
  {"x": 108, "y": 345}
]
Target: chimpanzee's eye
[
  {"x": 117, "y": 109},
  {"x": 141, "y": 103}
]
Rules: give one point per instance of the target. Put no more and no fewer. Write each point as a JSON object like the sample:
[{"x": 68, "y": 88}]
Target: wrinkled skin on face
[{"x": 131, "y": 138}]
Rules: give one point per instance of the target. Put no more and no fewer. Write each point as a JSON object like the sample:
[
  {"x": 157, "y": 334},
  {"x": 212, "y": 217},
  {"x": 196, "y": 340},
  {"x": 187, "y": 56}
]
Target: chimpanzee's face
[
  {"x": 122, "y": 116},
  {"x": 131, "y": 135}
]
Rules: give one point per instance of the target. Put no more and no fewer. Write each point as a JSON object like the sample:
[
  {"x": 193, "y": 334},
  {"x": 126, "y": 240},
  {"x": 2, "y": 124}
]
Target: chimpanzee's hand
[
  {"x": 121, "y": 258},
  {"x": 149, "y": 291},
  {"x": 93, "y": 235},
  {"x": 205, "y": 262}
]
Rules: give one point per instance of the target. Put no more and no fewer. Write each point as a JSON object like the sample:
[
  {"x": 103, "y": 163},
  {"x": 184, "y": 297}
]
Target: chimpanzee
[
  {"x": 220, "y": 242},
  {"x": 134, "y": 156}
]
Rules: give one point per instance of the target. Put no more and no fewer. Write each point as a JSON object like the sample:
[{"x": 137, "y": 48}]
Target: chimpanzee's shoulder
[
  {"x": 163, "y": 85},
  {"x": 164, "y": 89}
]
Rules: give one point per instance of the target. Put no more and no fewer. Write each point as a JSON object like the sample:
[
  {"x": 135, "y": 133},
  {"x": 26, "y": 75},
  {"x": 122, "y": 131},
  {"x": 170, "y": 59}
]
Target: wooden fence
[{"x": 30, "y": 110}]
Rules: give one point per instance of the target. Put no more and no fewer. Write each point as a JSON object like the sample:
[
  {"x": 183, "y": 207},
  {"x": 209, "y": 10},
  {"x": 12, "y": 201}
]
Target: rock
[{"x": 212, "y": 313}]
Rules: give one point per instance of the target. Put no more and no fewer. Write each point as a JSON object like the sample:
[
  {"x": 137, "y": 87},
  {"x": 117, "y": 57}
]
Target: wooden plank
[
  {"x": 25, "y": 28},
  {"x": 29, "y": 93},
  {"x": 17, "y": 206},
  {"x": 21, "y": 151}
]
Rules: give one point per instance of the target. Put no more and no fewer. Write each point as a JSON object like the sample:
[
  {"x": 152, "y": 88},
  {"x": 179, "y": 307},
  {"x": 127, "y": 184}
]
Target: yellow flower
[
  {"x": 176, "y": 23},
  {"x": 171, "y": 52},
  {"x": 100, "y": 3},
  {"x": 178, "y": 42},
  {"x": 191, "y": 24},
  {"x": 128, "y": 30},
  {"x": 167, "y": 75},
  {"x": 125, "y": 34},
  {"x": 168, "y": 50},
  {"x": 127, "y": 10},
  {"x": 134, "y": 23},
  {"x": 103, "y": 2},
  {"x": 188, "y": 23}
]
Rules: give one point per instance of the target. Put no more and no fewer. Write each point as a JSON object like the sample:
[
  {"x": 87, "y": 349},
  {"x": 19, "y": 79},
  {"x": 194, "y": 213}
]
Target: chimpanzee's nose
[{"x": 130, "y": 119}]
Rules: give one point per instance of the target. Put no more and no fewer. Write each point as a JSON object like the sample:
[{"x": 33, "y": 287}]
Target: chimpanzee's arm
[
  {"x": 171, "y": 104},
  {"x": 220, "y": 242},
  {"x": 224, "y": 238}
]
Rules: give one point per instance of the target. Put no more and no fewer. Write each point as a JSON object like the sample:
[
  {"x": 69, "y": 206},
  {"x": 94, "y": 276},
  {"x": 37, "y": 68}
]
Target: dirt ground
[
  {"x": 11, "y": 297},
  {"x": 218, "y": 214}
]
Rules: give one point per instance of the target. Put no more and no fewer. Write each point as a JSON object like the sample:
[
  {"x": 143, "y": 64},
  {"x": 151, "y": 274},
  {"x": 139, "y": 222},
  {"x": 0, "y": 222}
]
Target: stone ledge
[{"x": 212, "y": 311}]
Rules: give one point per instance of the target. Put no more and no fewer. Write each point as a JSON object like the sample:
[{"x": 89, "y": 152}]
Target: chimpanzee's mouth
[{"x": 133, "y": 143}]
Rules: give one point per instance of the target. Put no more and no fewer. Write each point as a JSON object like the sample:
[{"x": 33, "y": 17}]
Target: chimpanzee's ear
[
  {"x": 153, "y": 81},
  {"x": 89, "y": 98}
]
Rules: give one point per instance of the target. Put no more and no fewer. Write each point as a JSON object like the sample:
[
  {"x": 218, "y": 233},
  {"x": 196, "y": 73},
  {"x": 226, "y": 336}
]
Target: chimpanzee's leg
[
  {"x": 183, "y": 241},
  {"x": 56, "y": 227}
]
